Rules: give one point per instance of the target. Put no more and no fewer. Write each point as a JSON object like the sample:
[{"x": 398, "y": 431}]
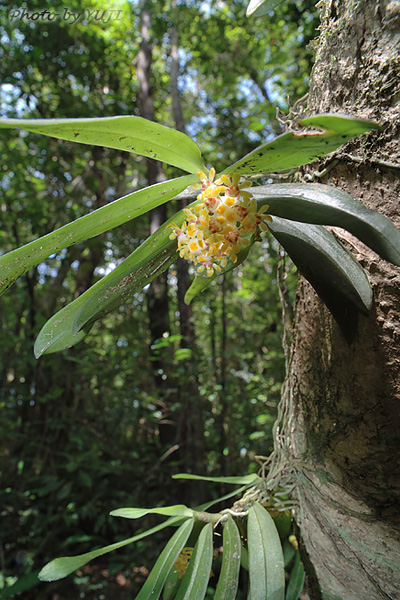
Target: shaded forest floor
[
  {"x": 92, "y": 582},
  {"x": 95, "y": 582}
]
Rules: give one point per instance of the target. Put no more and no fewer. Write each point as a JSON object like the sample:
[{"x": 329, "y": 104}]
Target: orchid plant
[
  {"x": 219, "y": 240},
  {"x": 215, "y": 233}
]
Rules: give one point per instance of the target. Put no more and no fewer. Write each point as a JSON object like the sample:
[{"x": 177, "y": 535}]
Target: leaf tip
[
  {"x": 52, "y": 571},
  {"x": 38, "y": 350}
]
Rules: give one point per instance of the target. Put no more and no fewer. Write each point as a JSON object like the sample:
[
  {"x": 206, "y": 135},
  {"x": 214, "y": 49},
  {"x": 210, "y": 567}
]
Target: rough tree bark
[{"x": 342, "y": 437}]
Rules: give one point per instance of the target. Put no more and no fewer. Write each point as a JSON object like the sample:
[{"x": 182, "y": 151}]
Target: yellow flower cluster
[
  {"x": 221, "y": 224},
  {"x": 182, "y": 562}
]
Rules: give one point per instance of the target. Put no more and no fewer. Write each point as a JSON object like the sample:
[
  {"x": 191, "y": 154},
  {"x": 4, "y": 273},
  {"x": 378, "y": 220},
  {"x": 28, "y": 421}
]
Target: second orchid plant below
[{"x": 209, "y": 550}]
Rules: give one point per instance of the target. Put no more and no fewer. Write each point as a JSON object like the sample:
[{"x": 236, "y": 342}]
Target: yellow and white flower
[{"x": 221, "y": 224}]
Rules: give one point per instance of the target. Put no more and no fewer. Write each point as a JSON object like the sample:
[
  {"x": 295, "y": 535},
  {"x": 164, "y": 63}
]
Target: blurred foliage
[{"x": 90, "y": 430}]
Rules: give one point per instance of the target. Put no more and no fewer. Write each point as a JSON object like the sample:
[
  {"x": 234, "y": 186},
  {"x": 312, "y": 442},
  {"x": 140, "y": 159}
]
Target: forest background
[{"x": 156, "y": 388}]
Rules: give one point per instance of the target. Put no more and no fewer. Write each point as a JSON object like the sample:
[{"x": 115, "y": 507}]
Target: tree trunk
[
  {"x": 340, "y": 430},
  {"x": 185, "y": 310},
  {"x": 157, "y": 294},
  {"x": 190, "y": 430}
]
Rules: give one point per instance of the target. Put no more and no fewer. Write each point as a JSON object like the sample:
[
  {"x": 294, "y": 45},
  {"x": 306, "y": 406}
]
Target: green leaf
[
  {"x": 151, "y": 590},
  {"x": 116, "y": 290},
  {"x": 24, "y": 583},
  {"x": 229, "y": 577},
  {"x": 201, "y": 283},
  {"x": 61, "y": 567},
  {"x": 60, "y": 331},
  {"x": 67, "y": 327},
  {"x": 178, "y": 510},
  {"x": 298, "y": 148},
  {"x": 296, "y": 581},
  {"x": 325, "y": 205},
  {"x": 257, "y": 8},
  {"x": 244, "y": 558},
  {"x": 266, "y": 568},
  {"x": 236, "y": 492},
  {"x": 239, "y": 480},
  {"x": 131, "y": 134},
  {"x": 118, "y": 287},
  {"x": 195, "y": 581},
  {"x": 283, "y": 523},
  {"x": 171, "y": 585},
  {"x": 332, "y": 270},
  {"x": 289, "y": 553},
  {"x": 19, "y": 261}
]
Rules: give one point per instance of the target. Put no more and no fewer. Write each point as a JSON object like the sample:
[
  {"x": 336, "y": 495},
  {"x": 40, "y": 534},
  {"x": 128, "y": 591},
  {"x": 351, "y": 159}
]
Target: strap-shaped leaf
[
  {"x": 122, "y": 286},
  {"x": 229, "y": 577},
  {"x": 151, "y": 590},
  {"x": 61, "y": 567},
  {"x": 65, "y": 329},
  {"x": 325, "y": 205},
  {"x": 131, "y": 134},
  {"x": 19, "y": 261},
  {"x": 332, "y": 270},
  {"x": 172, "y": 584},
  {"x": 289, "y": 553},
  {"x": 266, "y": 568},
  {"x": 296, "y": 580},
  {"x": 169, "y": 511},
  {"x": 294, "y": 149},
  {"x": 249, "y": 479},
  {"x": 237, "y": 492},
  {"x": 23, "y": 583},
  {"x": 283, "y": 523},
  {"x": 195, "y": 581},
  {"x": 244, "y": 558},
  {"x": 60, "y": 332},
  {"x": 257, "y": 8},
  {"x": 245, "y": 481}
]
